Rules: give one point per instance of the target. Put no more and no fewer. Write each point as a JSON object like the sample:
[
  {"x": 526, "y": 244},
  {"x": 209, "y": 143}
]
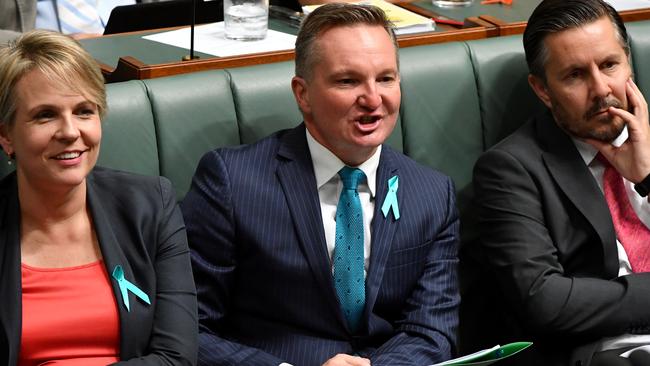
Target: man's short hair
[
  {"x": 60, "y": 58},
  {"x": 553, "y": 16},
  {"x": 330, "y": 16}
]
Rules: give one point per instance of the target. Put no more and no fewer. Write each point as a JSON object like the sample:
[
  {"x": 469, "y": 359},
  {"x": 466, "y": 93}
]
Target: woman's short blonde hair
[{"x": 60, "y": 58}]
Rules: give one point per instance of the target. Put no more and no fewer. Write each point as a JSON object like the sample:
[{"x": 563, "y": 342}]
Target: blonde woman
[{"x": 94, "y": 262}]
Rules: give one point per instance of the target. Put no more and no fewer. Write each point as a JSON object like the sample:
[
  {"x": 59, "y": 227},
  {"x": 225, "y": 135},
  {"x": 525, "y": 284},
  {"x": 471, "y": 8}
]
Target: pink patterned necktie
[{"x": 630, "y": 231}]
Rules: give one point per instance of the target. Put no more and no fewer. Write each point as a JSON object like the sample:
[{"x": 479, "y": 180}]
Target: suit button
[{"x": 579, "y": 363}]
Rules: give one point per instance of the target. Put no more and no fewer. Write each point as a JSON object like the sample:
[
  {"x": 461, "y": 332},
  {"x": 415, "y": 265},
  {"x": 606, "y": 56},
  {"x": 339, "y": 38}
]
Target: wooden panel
[
  {"x": 129, "y": 68},
  {"x": 483, "y": 26},
  {"x": 507, "y": 29}
]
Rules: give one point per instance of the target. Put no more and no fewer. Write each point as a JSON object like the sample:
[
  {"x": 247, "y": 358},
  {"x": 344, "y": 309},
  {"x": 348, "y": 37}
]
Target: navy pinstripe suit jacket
[{"x": 264, "y": 276}]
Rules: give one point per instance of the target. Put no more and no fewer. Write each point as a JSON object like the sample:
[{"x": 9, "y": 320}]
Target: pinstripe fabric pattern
[{"x": 264, "y": 280}]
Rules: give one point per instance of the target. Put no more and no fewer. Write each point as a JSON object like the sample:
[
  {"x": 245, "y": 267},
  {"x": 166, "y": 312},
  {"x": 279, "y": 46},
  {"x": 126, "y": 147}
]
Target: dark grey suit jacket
[
  {"x": 16, "y": 16},
  {"x": 140, "y": 228},
  {"x": 263, "y": 273},
  {"x": 548, "y": 240}
]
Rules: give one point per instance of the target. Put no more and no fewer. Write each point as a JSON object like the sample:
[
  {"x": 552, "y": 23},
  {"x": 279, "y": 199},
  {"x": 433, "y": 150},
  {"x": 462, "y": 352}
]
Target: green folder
[{"x": 488, "y": 356}]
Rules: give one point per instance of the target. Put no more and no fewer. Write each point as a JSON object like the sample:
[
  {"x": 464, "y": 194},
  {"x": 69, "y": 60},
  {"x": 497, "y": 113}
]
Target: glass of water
[
  {"x": 452, "y": 3},
  {"x": 246, "y": 20}
]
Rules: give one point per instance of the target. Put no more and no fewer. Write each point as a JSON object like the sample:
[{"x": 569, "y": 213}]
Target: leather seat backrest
[
  {"x": 441, "y": 120},
  {"x": 506, "y": 100},
  {"x": 129, "y": 140},
  {"x": 639, "y": 37},
  {"x": 194, "y": 113}
]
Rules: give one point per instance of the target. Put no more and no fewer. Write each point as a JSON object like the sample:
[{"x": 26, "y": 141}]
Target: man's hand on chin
[
  {"x": 632, "y": 159},
  {"x": 347, "y": 360}
]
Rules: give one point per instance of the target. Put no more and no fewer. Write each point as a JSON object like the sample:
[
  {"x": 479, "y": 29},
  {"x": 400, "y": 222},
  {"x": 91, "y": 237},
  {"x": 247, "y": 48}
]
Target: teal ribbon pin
[
  {"x": 126, "y": 286},
  {"x": 391, "y": 198}
]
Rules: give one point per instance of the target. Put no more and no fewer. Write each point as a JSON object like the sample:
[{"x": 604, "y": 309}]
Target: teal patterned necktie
[{"x": 348, "y": 250}]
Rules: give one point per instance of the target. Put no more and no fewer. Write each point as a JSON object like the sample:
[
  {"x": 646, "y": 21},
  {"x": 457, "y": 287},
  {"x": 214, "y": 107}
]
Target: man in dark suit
[
  {"x": 570, "y": 275},
  {"x": 272, "y": 254}
]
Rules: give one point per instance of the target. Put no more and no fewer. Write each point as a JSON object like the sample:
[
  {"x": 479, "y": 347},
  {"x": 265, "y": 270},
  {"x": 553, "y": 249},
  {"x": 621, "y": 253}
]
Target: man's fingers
[
  {"x": 637, "y": 92},
  {"x": 638, "y": 104},
  {"x": 347, "y": 360},
  {"x": 605, "y": 148},
  {"x": 359, "y": 361},
  {"x": 626, "y": 116}
]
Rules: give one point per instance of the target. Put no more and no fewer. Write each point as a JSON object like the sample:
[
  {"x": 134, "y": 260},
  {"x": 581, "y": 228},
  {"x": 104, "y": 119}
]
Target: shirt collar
[
  {"x": 327, "y": 165},
  {"x": 587, "y": 152}
]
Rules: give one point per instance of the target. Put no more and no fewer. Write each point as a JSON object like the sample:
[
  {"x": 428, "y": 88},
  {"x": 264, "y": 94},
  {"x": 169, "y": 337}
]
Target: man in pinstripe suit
[{"x": 261, "y": 220}]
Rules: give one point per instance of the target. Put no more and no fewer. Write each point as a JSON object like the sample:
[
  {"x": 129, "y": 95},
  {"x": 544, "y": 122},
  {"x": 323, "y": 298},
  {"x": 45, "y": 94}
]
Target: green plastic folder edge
[{"x": 496, "y": 355}]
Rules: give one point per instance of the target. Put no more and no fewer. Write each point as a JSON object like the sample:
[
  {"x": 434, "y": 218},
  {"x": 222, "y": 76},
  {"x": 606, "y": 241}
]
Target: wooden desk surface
[
  {"x": 519, "y": 11},
  {"x": 518, "y": 27},
  {"x": 128, "y": 56},
  {"x": 508, "y": 19}
]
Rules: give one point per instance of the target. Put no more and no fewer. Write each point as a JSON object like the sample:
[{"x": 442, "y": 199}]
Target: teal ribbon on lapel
[
  {"x": 391, "y": 198},
  {"x": 126, "y": 286}
]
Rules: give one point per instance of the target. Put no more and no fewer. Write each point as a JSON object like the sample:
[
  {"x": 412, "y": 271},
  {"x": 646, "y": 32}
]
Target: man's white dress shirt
[{"x": 326, "y": 168}]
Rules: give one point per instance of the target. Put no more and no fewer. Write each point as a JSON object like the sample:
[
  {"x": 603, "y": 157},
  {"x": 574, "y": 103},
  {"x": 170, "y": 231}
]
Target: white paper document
[
  {"x": 469, "y": 357},
  {"x": 210, "y": 39},
  {"x": 627, "y": 354},
  {"x": 621, "y": 5}
]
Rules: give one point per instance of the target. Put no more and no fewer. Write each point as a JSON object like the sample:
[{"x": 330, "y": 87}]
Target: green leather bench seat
[
  {"x": 193, "y": 114},
  {"x": 639, "y": 33},
  {"x": 505, "y": 98},
  {"x": 441, "y": 120},
  {"x": 128, "y": 130},
  {"x": 263, "y": 100}
]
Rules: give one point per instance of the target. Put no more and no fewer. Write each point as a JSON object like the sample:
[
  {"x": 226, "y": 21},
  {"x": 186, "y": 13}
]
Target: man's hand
[
  {"x": 347, "y": 360},
  {"x": 632, "y": 159}
]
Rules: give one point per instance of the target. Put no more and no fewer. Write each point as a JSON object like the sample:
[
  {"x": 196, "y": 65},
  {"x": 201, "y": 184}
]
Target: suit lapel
[
  {"x": 383, "y": 228},
  {"x": 10, "y": 273},
  {"x": 296, "y": 175},
  {"x": 112, "y": 256},
  {"x": 569, "y": 171},
  {"x": 10, "y": 290}
]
